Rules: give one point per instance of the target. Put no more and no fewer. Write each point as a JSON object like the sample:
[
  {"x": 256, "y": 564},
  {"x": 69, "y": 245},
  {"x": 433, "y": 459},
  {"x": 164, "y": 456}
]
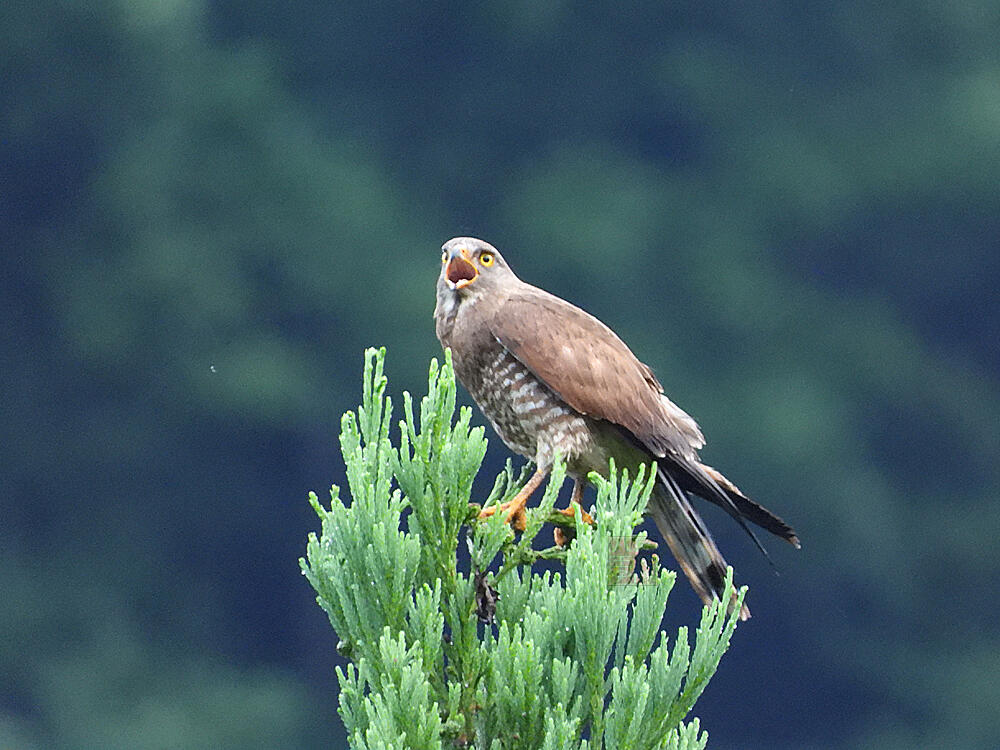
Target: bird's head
[{"x": 471, "y": 268}]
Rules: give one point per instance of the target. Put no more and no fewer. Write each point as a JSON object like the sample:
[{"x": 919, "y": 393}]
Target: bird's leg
[
  {"x": 559, "y": 536},
  {"x": 515, "y": 507},
  {"x": 575, "y": 499}
]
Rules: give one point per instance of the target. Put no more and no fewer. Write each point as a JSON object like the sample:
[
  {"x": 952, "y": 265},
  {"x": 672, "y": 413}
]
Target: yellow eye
[
  {"x": 486, "y": 259},
  {"x": 444, "y": 257}
]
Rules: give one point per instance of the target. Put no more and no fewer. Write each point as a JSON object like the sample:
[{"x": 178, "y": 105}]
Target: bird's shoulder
[{"x": 532, "y": 317}]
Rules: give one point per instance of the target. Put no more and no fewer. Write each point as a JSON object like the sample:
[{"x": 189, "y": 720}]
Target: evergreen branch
[{"x": 565, "y": 655}]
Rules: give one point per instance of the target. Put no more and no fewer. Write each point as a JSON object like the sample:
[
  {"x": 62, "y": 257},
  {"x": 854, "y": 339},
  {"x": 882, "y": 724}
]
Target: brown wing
[
  {"x": 592, "y": 370},
  {"x": 584, "y": 363}
]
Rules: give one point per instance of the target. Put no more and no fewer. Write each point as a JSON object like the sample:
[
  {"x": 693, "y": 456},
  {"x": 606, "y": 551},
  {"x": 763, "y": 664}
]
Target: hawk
[{"x": 552, "y": 378}]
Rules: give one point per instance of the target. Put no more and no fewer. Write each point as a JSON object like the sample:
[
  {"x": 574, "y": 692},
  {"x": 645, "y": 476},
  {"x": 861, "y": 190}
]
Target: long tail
[
  {"x": 689, "y": 541},
  {"x": 753, "y": 512}
]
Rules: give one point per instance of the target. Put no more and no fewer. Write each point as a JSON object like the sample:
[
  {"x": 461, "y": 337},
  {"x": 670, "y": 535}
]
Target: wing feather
[{"x": 585, "y": 363}]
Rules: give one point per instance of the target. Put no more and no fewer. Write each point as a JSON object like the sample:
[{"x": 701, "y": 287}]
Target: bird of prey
[{"x": 552, "y": 378}]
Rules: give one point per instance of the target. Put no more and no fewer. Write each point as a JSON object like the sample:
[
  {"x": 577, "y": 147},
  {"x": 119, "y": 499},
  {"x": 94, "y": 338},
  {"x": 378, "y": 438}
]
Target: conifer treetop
[{"x": 480, "y": 650}]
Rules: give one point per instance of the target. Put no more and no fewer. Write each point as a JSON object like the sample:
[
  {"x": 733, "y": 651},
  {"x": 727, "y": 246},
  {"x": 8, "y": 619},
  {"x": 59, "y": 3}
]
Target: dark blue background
[{"x": 208, "y": 210}]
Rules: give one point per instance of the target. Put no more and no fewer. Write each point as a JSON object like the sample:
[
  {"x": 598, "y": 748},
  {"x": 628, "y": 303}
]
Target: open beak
[{"x": 459, "y": 271}]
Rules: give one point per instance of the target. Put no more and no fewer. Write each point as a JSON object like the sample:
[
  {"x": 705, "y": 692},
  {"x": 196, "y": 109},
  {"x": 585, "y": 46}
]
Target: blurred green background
[{"x": 790, "y": 210}]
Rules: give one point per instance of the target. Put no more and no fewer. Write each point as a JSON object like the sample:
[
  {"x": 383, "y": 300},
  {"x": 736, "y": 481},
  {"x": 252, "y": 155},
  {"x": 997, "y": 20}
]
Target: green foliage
[{"x": 566, "y": 660}]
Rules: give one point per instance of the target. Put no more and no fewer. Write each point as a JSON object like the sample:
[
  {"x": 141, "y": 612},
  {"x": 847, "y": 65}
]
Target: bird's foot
[
  {"x": 563, "y": 536},
  {"x": 516, "y": 515},
  {"x": 571, "y": 511}
]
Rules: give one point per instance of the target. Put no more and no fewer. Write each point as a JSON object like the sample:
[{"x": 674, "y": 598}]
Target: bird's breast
[{"x": 528, "y": 416}]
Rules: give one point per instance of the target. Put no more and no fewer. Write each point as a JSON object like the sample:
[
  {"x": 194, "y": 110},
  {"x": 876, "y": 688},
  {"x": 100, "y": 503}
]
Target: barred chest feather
[{"x": 527, "y": 415}]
